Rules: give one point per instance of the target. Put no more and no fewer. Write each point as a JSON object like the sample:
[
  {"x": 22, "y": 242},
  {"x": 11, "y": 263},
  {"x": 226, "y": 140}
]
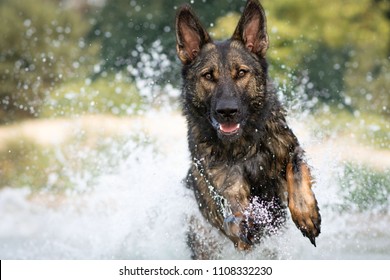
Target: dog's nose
[
  {"x": 227, "y": 109},
  {"x": 227, "y": 113}
]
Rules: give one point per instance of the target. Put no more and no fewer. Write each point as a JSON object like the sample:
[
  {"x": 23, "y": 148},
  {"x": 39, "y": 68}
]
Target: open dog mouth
[
  {"x": 229, "y": 128},
  {"x": 226, "y": 129}
]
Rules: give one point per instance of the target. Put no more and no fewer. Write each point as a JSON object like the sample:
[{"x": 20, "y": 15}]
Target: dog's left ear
[{"x": 252, "y": 28}]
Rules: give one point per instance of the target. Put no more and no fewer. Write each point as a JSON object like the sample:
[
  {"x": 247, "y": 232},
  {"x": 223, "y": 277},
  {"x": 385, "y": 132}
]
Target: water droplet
[{"x": 27, "y": 22}]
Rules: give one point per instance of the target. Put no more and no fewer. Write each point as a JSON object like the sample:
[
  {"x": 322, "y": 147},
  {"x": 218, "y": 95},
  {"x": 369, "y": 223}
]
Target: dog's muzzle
[{"x": 225, "y": 119}]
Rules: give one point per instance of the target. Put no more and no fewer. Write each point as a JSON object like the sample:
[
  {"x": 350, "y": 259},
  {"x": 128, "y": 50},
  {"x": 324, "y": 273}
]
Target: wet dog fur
[{"x": 244, "y": 155}]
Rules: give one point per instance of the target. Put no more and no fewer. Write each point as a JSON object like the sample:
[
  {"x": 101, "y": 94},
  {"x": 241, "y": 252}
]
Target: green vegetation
[
  {"x": 367, "y": 128},
  {"x": 40, "y": 46},
  {"x": 114, "y": 95},
  {"x": 58, "y": 168},
  {"x": 364, "y": 188},
  {"x": 127, "y": 29},
  {"x": 21, "y": 163}
]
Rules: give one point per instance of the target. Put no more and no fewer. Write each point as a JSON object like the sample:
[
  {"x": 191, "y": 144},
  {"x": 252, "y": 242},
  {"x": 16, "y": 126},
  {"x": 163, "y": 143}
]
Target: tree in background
[{"x": 40, "y": 46}]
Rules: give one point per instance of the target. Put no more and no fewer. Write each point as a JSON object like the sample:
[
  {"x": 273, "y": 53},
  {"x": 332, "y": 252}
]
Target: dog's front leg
[
  {"x": 301, "y": 199},
  {"x": 237, "y": 225},
  {"x": 224, "y": 196}
]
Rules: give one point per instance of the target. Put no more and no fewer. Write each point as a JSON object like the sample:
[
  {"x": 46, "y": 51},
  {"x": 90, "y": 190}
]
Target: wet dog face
[
  {"x": 233, "y": 87},
  {"x": 224, "y": 81}
]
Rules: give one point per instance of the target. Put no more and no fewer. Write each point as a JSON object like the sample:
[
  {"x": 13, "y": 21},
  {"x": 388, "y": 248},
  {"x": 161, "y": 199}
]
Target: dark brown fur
[{"x": 244, "y": 154}]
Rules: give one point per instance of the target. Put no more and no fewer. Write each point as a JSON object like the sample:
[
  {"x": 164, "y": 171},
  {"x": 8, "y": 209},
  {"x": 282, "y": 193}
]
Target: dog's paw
[
  {"x": 305, "y": 213},
  {"x": 239, "y": 229},
  {"x": 302, "y": 202}
]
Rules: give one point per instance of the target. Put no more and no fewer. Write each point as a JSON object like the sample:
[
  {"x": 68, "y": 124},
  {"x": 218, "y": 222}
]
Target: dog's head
[{"x": 224, "y": 82}]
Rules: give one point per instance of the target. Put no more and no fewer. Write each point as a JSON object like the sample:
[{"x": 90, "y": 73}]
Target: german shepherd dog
[{"x": 247, "y": 164}]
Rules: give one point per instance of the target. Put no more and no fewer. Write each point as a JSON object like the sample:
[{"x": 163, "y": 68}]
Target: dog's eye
[
  {"x": 208, "y": 76},
  {"x": 241, "y": 73}
]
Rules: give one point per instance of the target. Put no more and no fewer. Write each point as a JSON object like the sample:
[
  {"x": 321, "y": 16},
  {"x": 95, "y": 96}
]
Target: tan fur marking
[
  {"x": 301, "y": 200},
  {"x": 290, "y": 178}
]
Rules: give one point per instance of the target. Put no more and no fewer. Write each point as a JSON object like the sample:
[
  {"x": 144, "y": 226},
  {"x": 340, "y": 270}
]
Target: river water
[{"x": 139, "y": 211}]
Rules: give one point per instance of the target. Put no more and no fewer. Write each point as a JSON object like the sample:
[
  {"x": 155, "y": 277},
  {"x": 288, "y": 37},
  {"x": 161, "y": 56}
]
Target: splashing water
[
  {"x": 265, "y": 215},
  {"x": 140, "y": 210}
]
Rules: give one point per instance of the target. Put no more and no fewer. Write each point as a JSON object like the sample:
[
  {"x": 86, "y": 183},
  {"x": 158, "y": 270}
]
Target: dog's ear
[
  {"x": 252, "y": 28},
  {"x": 190, "y": 35}
]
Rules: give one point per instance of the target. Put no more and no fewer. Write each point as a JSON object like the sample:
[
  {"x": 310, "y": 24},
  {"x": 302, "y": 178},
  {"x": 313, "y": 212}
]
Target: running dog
[{"x": 247, "y": 164}]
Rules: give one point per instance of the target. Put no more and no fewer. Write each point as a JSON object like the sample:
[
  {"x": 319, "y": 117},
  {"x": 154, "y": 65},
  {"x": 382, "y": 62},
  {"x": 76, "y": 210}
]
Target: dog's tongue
[{"x": 229, "y": 128}]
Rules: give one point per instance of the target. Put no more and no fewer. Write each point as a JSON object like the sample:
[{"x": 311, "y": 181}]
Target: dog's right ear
[{"x": 190, "y": 35}]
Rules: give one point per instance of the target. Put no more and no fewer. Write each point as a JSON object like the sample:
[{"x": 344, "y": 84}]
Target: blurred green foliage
[
  {"x": 114, "y": 94},
  {"x": 59, "y": 168},
  {"x": 21, "y": 161},
  {"x": 370, "y": 129},
  {"x": 41, "y": 44},
  {"x": 126, "y": 29},
  {"x": 364, "y": 188}
]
